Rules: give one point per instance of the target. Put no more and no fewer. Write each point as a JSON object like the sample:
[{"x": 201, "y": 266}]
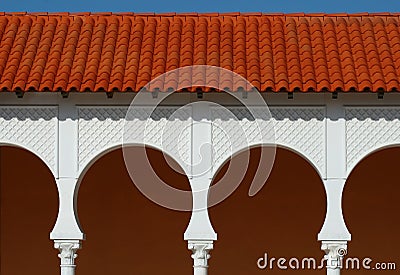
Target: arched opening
[
  {"x": 29, "y": 205},
  {"x": 371, "y": 209},
  {"x": 126, "y": 233},
  {"x": 282, "y": 220}
]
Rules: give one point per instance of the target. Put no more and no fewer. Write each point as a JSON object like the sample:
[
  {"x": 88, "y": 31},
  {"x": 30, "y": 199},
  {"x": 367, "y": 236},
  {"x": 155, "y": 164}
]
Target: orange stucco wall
[
  {"x": 128, "y": 234},
  {"x": 371, "y": 207},
  {"x": 29, "y": 204},
  {"x": 282, "y": 220}
]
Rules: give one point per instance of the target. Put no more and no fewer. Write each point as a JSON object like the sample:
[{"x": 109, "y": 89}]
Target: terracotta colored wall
[
  {"x": 127, "y": 233},
  {"x": 29, "y": 204},
  {"x": 283, "y": 219},
  {"x": 371, "y": 207}
]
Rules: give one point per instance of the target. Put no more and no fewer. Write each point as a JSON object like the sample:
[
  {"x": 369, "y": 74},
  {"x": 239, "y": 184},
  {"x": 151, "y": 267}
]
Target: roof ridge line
[{"x": 169, "y": 14}]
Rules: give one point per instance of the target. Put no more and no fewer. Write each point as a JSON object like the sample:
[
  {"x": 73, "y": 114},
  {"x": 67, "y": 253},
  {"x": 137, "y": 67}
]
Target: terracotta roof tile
[
  {"x": 267, "y": 78},
  {"x": 124, "y": 51},
  {"x": 133, "y": 54}
]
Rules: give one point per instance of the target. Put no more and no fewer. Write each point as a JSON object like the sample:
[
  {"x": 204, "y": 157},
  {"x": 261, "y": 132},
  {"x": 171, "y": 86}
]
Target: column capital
[
  {"x": 201, "y": 252},
  {"x": 67, "y": 250},
  {"x": 335, "y": 252}
]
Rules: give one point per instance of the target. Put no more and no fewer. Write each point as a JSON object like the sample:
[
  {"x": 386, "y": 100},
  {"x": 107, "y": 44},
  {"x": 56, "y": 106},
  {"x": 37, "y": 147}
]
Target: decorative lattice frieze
[
  {"x": 300, "y": 128},
  {"x": 103, "y": 127},
  {"x": 369, "y": 128},
  {"x": 34, "y": 128},
  {"x": 303, "y": 130}
]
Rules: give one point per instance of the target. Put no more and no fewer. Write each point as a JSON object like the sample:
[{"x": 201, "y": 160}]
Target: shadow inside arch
[
  {"x": 125, "y": 231},
  {"x": 235, "y": 166},
  {"x": 282, "y": 220},
  {"x": 371, "y": 208},
  {"x": 29, "y": 205},
  {"x": 146, "y": 166}
]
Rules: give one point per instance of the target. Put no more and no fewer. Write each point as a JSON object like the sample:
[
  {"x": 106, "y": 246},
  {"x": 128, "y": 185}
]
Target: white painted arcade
[{"x": 70, "y": 134}]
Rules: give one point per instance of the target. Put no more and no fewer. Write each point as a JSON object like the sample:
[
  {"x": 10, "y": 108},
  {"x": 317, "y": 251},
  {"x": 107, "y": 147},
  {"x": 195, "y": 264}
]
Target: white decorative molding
[
  {"x": 32, "y": 127},
  {"x": 102, "y": 127},
  {"x": 237, "y": 128},
  {"x": 303, "y": 130},
  {"x": 299, "y": 128},
  {"x": 98, "y": 128},
  {"x": 201, "y": 252},
  {"x": 67, "y": 255},
  {"x": 67, "y": 251},
  {"x": 370, "y": 128},
  {"x": 334, "y": 253}
]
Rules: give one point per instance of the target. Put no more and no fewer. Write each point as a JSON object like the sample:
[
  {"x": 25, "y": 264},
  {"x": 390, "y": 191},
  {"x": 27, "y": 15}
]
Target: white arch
[
  {"x": 278, "y": 145},
  {"x": 370, "y": 152},
  {"x": 104, "y": 152},
  {"x": 239, "y": 169},
  {"x": 21, "y": 146},
  {"x": 326, "y": 221},
  {"x": 366, "y": 154},
  {"x": 95, "y": 157},
  {"x": 10, "y": 144},
  {"x": 111, "y": 147}
]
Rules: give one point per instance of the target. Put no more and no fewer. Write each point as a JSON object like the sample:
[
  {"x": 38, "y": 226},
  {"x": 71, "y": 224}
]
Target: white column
[
  {"x": 334, "y": 233},
  {"x": 66, "y": 233},
  {"x": 334, "y": 228},
  {"x": 335, "y": 252},
  {"x": 201, "y": 254},
  {"x": 200, "y": 227},
  {"x": 67, "y": 255},
  {"x": 67, "y": 224},
  {"x": 200, "y": 233}
]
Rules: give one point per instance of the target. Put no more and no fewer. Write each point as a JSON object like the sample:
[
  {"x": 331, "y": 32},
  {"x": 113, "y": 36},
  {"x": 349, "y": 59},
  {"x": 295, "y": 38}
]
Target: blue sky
[{"x": 287, "y": 6}]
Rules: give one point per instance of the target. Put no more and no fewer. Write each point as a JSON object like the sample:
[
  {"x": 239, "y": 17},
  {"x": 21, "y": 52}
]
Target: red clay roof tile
[{"x": 124, "y": 51}]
